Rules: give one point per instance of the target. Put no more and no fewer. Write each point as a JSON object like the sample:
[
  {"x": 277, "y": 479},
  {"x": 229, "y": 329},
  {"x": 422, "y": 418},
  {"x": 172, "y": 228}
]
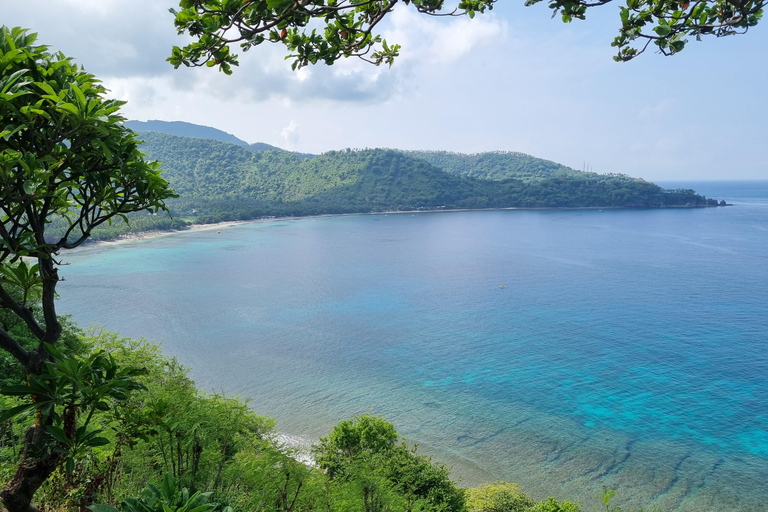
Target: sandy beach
[
  {"x": 218, "y": 226},
  {"x": 147, "y": 235}
]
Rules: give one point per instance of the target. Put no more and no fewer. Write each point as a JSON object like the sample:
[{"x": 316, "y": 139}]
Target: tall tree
[
  {"x": 64, "y": 153},
  {"x": 325, "y": 31},
  {"x": 367, "y": 450}
]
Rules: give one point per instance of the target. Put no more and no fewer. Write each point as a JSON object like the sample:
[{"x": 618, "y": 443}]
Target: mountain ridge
[
  {"x": 184, "y": 129},
  {"x": 207, "y": 172},
  {"x": 220, "y": 181}
]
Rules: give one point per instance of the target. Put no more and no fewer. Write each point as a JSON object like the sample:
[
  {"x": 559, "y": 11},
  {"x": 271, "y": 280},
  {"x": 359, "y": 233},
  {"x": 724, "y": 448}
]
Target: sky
[{"x": 513, "y": 79}]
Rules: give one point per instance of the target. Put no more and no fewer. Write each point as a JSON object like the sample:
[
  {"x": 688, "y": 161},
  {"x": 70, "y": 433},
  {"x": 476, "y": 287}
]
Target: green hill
[
  {"x": 228, "y": 181},
  {"x": 497, "y": 165},
  {"x": 219, "y": 181}
]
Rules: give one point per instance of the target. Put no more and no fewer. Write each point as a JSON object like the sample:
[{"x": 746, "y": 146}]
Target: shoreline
[
  {"x": 298, "y": 447},
  {"x": 148, "y": 235},
  {"x": 568, "y": 454}
]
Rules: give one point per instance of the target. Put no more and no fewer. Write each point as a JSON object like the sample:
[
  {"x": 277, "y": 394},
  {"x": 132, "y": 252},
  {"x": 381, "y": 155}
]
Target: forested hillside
[
  {"x": 211, "y": 176},
  {"x": 498, "y": 165},
  {"x": 219, "y": 181}
]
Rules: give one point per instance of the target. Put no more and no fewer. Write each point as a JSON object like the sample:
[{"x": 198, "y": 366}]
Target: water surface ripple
[{"x": 564, "y": 350}]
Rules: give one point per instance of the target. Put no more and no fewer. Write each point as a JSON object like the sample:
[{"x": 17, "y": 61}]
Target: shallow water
[{"x": 565, "y": 350}]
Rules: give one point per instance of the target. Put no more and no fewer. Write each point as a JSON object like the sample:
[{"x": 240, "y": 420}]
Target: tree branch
[
  {"x": 10, "y": 345},
  {"x": 22, "y": 312},
  {"x": 50, "y": 277}
]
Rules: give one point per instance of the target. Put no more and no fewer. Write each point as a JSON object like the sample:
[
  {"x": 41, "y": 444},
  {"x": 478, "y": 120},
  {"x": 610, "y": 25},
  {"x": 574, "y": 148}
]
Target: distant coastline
[{"x": 157, "y": 233}]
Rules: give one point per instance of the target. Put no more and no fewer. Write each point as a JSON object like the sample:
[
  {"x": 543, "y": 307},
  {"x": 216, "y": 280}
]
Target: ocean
[{"x": 569, "y": 351}]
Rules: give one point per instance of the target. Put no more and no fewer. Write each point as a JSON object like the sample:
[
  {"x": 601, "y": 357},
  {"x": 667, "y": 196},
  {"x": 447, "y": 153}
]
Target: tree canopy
[
  {"x": 368, "y": 451},
  {"x": 325, "y": 31},
  {"x": 64, "y": 155}
]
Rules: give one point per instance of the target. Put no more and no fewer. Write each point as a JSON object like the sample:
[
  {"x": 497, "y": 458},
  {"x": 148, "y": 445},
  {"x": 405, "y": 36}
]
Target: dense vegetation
[
  {"x": 65, "y": 155},
  {"x": 206, "y": 172},
  {"x": 167, "y": 436},
  {"x": 218, "y": 181},
  {"x": 498, "y": 165}
]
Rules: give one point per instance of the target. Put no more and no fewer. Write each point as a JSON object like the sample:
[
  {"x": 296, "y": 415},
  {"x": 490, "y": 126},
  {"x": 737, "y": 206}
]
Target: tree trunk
[
  {"x": 33, "y": 470},
  {"x": 37, "y": 463}
]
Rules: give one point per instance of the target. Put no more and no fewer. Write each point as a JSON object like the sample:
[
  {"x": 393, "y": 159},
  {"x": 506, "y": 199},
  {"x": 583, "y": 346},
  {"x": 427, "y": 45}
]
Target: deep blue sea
[{"x": 566, "y": 350}]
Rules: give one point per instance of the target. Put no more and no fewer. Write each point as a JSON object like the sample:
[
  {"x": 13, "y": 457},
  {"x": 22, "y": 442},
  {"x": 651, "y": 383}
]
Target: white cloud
[
  {"x": 441, "y": 40},
  {"x": 290, "y": 134},
  {"x": 511, "y": 79},
  {"x": 115, "y": 37}
]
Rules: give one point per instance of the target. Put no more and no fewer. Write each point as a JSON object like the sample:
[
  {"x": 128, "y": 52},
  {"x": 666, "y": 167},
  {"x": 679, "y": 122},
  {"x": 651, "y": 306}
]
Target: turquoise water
[{"x": 564, "y": 350}]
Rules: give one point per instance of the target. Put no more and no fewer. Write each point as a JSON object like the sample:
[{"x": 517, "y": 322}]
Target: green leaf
[
  {"x": 79, "y": 96},
  {"x": 30, "y": 186},
  {"x": 69, "y": 107},
  {"x": 100, "y": 507},
  {"x": 54, "y": 351},
  {"x": 58, "y": 434},
  {"x": 98, "y": 441},
  {"x": 677, "y": 46},
  {"x": 203, "y": 508},
  {"x": 10, "y": 413},
  {"x": 46, "y": 87},
  {"x": 279, "y": 5},
  {"x": 19, "y": 390}
]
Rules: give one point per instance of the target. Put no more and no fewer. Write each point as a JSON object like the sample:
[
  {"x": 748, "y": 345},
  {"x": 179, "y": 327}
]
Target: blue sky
[{"x": 512, "y": 80}]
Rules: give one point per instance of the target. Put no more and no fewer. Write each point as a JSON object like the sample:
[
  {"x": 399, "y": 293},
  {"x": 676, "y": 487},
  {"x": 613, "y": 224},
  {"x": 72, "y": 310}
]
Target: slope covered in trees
[
  {"x": 169, "y": 447},
  {"x": 498, "y": 165},
  {"x": 220, "y": 181}
]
